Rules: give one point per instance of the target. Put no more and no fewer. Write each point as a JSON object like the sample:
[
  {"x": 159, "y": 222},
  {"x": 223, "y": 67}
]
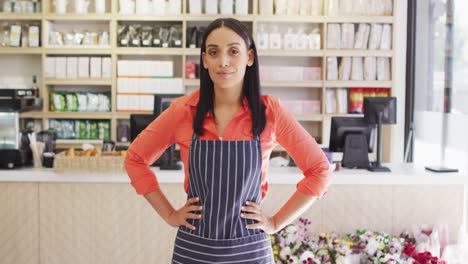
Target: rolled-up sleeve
[
  {"x": 305, "y": 151},
  {"x": 148, "y": 147}
]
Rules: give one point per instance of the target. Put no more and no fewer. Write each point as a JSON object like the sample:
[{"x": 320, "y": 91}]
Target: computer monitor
[
  {"x": 378, "y": 111},
  {"x": 354, "y": 137},
  {"x": 161, "y": 103},
  {"x": 138, "y": 122}
]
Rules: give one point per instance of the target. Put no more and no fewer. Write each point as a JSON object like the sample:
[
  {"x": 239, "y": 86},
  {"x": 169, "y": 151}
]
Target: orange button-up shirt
[{"x": 175, "y": 126}]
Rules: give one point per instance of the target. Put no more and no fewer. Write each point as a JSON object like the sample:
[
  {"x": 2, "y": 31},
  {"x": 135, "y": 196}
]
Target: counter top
[{"x": 402, "y": 174}]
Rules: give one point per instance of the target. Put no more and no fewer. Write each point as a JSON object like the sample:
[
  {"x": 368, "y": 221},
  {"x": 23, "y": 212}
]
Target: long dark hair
[{"x": 250, "y": 87}]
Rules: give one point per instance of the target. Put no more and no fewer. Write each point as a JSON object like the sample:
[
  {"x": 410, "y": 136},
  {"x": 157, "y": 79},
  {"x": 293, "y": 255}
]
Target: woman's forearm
[
  {"x": 159, "y": 202},
  {"x": 292, "y": 209}
]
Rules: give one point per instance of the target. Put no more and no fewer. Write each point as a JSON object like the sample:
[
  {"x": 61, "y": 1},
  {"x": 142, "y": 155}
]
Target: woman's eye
[
  {"x": 235, "y": 52},
  {"x": 212, "y": 52}
]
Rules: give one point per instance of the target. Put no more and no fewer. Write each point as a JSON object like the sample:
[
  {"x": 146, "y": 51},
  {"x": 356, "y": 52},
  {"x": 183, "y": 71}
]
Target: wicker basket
[{"x": 100, "y": 164}]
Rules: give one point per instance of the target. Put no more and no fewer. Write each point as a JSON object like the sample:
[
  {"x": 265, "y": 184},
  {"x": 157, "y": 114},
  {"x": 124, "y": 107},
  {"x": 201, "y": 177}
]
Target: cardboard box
[
  {"x": 49, "y": 71},
  {"x": 95, "y": 67},
  {"x": 83, "y": 67},
  {"x": 72, "y": 67},
  {"x": 60, "y": 67},
  {"x": 106, "y": 67}
]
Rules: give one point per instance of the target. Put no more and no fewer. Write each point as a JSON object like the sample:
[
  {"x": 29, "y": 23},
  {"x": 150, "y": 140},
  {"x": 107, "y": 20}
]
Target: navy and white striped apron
[{"x": 224, "y": 175}]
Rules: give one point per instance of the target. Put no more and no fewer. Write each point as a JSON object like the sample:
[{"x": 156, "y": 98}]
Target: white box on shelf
[
  {"x": 142, "y": 7},
  {"x": 211, "y": 7},
  {"x": 83, "y": 67},
  {"x": 134, "y": 102},
  {"x": 106, "y": 67},
  {"x": 195, "y": 7},
  {"x": 226, "y": 7},
  {"x": 49, "y": 71},
  {"x": 122, "y": 102},
  {"x": 72, "y": 67},
  {"x": 95, "y": 67},
  {"x": 60, "y": 67},
  {"x": 146, "y": 102},
  {"x": 167, "y": 68},
  {"x": 15, "y": 35},
  {"x": 242, "y": 7},
  {"x": 33, "y": 37}
]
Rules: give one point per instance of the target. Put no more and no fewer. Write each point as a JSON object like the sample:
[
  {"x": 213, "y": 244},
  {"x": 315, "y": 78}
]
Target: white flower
[
  {"x": 372, "y": 246},
  {"x": 285, "y": 252},
  {"x": 340, "y": 260},
  {"x": 307, "y": 254},
  {"x": 294, "y": 259},
  {"x": 291, "y": 229}
]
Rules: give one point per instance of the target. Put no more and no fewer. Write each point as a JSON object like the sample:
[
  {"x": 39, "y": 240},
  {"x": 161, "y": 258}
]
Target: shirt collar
[{"x": 195, "y": 96}]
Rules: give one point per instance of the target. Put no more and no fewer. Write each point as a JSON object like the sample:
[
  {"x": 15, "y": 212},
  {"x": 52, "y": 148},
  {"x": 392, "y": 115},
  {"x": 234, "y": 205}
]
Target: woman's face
[{"x": 226, "y": 57}]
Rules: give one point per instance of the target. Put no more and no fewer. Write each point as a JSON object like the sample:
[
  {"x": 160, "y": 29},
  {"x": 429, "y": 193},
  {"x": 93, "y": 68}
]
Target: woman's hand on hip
[
  {"x": 253, "y": 211},
  {"x": 179, "y": 217}
]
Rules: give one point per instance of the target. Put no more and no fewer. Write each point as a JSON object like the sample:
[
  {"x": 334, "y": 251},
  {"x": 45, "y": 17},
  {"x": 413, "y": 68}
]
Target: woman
[{"x": 226, "y": 132}]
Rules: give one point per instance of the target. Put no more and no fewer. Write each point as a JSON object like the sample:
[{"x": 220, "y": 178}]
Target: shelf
[
  {"x": 192, "y": 82},
  {"x": 285, "y": 18},
  {"x": 209, "y": 18},
  {"x": 309, "y": 117},
  {"x": 22, "y": 16},
  {"x": 126, "y": 115},
  {"x": 83, "y": 50},
  {"x": 149, "y": 51},
  {"x": 32, "y": 114},
  {"x": 359, "y": 53},
  {"x": 79, "y": 115},
  {"x": 291, "y": 53},
  {"x": 344, "y": 84},
  {"x": 292, "y": 84},
  {"x": 360, "y": 19},
  {"x": 78, "y": 17},
  {"x": 20, "y": 50},
  {"x": 151, "y": 18},
  {"x": 78, "y": 81},
  {"x": 76, "y": 143},
  {"x": 328, "y": 116},
  {"x": 192, "y": 51}
]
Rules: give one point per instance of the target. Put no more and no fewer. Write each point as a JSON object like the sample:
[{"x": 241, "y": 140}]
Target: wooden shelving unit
[{"x": 316, "y": 89}]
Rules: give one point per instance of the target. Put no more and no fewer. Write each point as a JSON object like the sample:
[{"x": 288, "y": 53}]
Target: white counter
[{"x": 402, "y": 174}]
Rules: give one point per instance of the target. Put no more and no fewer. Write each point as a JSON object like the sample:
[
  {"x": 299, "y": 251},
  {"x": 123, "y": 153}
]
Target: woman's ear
[
  {"x": 251, "y": 59},
  {"x": 204, "y": 60}
]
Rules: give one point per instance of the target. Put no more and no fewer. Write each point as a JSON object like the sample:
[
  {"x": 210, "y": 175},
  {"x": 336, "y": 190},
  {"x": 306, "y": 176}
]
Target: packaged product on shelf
[
  {"x": 83, "y": 67},
  {"x": 334, "y": 36},
  {"x": 383, "y": 69},
  {"x": 60, "y": 67},
  {"x": 92, "y": 129},
  {"x": 341, "y": 100},
  {"x": 103, "y": 103},
  {"x": 123, "y": 35},
  {"x": 127, "y": 7},
  {"x": 146, "y": 36},
  {"x": 156, "y": 36},
  {"x": 195, "y": 7},
  {"x": 377, "y": 7},
  {"x": 78, "y": 38},
  {"x": 362, "y": 36},
  {"x": 226, "y": 7},
  {"x": 4, "y": 35},
  {"x": 159, "y": 7},
  {"x": 211, "y": 7},
  {"x": 275, "y": 38},
  {"x": 332, "y": 69},
  {"x": 262, "y": 37},
  {"x": 95, "y": 67},
  {"x": 368, "y": 92},
  {"x": 266, "y": 7},
  {"x": 386, "y": 41},
  {"x": 56, "y": 126},
  {"x": 314, "y": 40},
  {"x": 100, "y": 6},
  {"x": 134, "y": 32},
  {"x": 345, "y": 68},
  {"x": 8, "y": 6},
  {"x": 375, "y": 36},
  {"x": 72, "y": 67},
  {"x": 56, "y": 38},
  {"x": 330, "y": 101},
  {"x": 360, "y": 7},
  {"x": 382, "y": 92},
  {"x": 72, "y": 102},
  {"x": 388, "y": 7},
  {"x": 106, "y": 67},
  {"x": 175, "y": 36},
  {"x": 104, "y": 130},
  {"x": 316, "y": 7},
  {"x": 293, "y": 7},
  {"x": 123, "y": 132},
  {"x": 190, "y": 70},
  {"x": 333, "y": 7},
  {"x": 57, "y": 102},
  {"x": 370, "y": 68},
  {"x": 49, "y": 70},
  {"x": 347, "y": 36},
  {"x": 68, "y": 129},
  {"x": 290, "y": 39},
  {"x": 15, "y": 35},
  {"x": 356, "y": 101},
  {"x": 93, "y": 102},
  {"x": 80, "y": 129},
  {"x": 33, "y": 36},
  {"x": 82, "y": 102},
  {"x": 104, "y": 39},
  {"x": 200, "y": 34},
  {"x": 164, "y": 36},
  {"x": 357, "y": 69},
  {"x": 142, "y": 7},
  {"x": 346, "y": 7},
  {"x": 242, "y": 7},
  {"x": 304, "y": 7},
  {"x": 174, "y": 7},
  {"x": 302, "y": 40},
  {"x": 281, "y": 7},
  {"x": 191, "y": 37}
]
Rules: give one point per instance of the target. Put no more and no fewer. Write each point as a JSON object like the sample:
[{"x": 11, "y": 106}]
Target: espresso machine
[{"x": 13, "y": 150}]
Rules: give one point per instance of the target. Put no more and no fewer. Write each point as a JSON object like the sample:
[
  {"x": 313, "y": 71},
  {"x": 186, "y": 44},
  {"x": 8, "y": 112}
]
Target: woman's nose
[{"x": 224, "y": 60}]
